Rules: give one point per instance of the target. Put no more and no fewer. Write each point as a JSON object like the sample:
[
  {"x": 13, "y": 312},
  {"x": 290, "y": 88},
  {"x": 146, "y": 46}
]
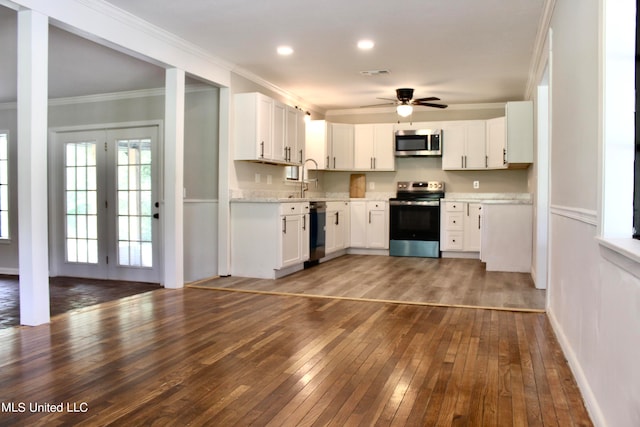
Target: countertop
[{"x": 490, "y": 198}]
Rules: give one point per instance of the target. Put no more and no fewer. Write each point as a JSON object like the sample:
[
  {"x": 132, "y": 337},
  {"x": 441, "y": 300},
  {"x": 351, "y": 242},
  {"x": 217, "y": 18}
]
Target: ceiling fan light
[{"x": 404, "y": 110}]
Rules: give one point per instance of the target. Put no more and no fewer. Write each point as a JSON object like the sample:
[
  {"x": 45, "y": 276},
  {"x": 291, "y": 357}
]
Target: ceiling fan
[{"x": 405, "y": 102}]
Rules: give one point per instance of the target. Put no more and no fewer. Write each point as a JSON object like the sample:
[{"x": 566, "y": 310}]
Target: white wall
[
  {"x": 594, "y": 304},
  {"x": 201, "y": 159}
]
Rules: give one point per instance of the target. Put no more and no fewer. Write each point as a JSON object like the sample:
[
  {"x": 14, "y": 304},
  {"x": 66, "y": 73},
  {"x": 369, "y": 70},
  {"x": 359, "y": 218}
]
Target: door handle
[{"x": 156, "y": 215}]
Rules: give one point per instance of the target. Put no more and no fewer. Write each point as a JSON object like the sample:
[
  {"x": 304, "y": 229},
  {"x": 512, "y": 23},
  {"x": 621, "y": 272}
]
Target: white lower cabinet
[
  {"x": 370, "y": 224},
  {"x": 507, "y": 237},
  {"x": 337, "y": 227},
  {"x": 460, "y": 227},
  {"x": 268, "y": 237}
]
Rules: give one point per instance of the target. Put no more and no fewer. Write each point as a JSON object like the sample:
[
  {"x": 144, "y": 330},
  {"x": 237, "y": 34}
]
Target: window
[{"x": 4, "y": 185}]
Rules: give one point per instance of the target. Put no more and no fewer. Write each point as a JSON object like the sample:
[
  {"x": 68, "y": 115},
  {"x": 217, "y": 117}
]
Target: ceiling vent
[{"x": 374, "y": 72}]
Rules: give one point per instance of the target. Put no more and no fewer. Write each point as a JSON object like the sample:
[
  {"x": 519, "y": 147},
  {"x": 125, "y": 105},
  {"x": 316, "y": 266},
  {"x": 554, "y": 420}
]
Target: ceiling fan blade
[
  {"x": 430, "y": 104},
  {"x": 378, "y": 105},
  {"x": 388, "y": 99},
  {"x": 431, "y": 98}
]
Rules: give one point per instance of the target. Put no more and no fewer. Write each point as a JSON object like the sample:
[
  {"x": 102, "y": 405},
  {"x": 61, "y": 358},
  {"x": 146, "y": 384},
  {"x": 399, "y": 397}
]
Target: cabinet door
[
  {"x": 330, "y": 231},
  {"x": 280, "y": 151},
  {"x": 358, "y": 224},
  {"x": 475, "y": 146},
  {"x": 363, "y": 147},
  {"x": 265, "y": 126},
  {"x": 472, "y": 226},
  {"x": 383, "y": 150},
  {"x": 291, "y": 239},
  {"x": 341, "y": 146},
  {"x": 519, "y": 132},
  {"x": 294, "y": 135},
  {"x": 377, "y": 226},
  {"x": 453, "y": 146},
  {"x": 339, "y": 219},
  {"x": 495, "y": 143},
  {"x": 304, "y": 238},
  {"x": 316, "y": 144}
]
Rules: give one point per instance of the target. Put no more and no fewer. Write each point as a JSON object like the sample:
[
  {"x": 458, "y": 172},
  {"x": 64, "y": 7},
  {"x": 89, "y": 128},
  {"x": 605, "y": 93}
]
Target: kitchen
[
  {"x": 360, "y": 209},
  {"x": 593, "y": 283}
]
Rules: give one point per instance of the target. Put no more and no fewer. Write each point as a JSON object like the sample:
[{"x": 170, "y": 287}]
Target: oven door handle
[{"x": 414, "y": 203}]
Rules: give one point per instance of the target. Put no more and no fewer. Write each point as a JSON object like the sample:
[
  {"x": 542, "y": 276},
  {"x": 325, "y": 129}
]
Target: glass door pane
[
  {"x": 81, "y": 203},
  {"x": 135, "y": 216}
]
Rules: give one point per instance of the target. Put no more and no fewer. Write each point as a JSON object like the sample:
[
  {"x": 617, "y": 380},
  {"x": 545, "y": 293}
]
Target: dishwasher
[{"x": 317, "y": 224}]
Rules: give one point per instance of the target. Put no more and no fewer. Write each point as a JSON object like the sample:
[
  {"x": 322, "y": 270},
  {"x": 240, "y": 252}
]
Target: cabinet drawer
[
  {"x": 454, "y": 206},
  {"x": 454, "y": 221},
  {"x": 376, "y": 205},
  {"x": 453, "y": 241},
  {"x": 293, "y": 208}
]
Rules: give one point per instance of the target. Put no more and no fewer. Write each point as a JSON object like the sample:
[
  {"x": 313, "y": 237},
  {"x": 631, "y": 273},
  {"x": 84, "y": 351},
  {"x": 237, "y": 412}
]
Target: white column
[
  {"x": 224, "y": 160},
  {"x": 33, "y": 35},
  {"x": 173, "y": 248}
]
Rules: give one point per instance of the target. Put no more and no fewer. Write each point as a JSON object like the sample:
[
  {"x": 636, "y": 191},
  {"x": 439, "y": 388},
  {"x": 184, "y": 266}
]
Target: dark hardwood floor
[
  {"x": 205, "y": 357},
  {"x": 66, "y": 294}
]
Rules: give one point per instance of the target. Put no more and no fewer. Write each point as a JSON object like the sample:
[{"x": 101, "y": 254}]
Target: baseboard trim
[{"x": 590, "y": 400}]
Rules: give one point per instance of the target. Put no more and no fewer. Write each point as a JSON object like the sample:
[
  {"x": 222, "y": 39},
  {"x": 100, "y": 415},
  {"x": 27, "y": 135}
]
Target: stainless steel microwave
[{"x": 418, "y": 142}]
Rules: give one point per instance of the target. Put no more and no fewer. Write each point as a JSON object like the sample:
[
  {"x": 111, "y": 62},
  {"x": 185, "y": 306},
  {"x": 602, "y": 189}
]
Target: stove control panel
[{"x": 420, "y": 186}]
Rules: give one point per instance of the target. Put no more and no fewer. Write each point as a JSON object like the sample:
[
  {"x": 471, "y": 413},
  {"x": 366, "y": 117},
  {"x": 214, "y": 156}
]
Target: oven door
[{"x": 414, "y": 228}]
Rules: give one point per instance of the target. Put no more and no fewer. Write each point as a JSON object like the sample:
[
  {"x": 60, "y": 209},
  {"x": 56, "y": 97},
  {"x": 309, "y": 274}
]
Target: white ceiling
[{"x": 462, "y": 51}]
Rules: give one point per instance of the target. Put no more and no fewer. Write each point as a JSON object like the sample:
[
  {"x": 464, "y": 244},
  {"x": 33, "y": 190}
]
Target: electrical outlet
[
  {"x": 476, "y": 184},
  {"x": 269, "y": 179},
  {"x": 372, "y": 185}
]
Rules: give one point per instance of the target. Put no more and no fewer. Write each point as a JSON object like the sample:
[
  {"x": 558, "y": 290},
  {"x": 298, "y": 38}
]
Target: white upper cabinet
[
  {"x": 373, "y": 147},
  {"x": 294, "y": 135},
  {"x": 330, "y": 144},
  {"x": 510, "y": 138},
  {"x": 266, "y": 130},
  {"x": 464, "y": 145},
  {"x": 519, "y": 132},
  {"x": 340, "y": 156},
  {"x": 495, "y": 143}
]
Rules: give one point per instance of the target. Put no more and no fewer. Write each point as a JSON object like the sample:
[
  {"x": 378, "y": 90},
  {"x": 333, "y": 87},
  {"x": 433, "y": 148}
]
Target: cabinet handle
[
  {"x": 462, "y": 162},
  {"x": 262, "y": 150},
  {"x": 301, "y": 159},
  {"x": 369, "y": 217},
  {"x": 304, "y": 222},
  {"x": 374, "y": 162},
  {"x": 467, "y": 209},
  {"x": 327, "y": 162},
  {"x": 486, "y": 161},
  {"x": 337, "y": 218},
  {"x": 504, "y": 156},
  {"x": 284, "y": 225},
  {"x": 334, "y": 162},
  {"x": 478, "y": 222},
  {"x": 371, "y": 162}
]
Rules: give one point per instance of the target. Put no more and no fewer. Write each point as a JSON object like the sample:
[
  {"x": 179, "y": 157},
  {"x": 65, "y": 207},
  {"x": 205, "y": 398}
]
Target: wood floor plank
[{"x": 203, "y": 357}]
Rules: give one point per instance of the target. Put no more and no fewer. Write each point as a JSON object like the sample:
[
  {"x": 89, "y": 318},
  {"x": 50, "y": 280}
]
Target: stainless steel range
[{"x": 414, "y": 219}]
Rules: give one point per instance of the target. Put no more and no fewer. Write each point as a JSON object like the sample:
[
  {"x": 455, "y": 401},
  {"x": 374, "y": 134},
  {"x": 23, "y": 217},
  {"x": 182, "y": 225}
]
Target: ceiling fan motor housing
[{"x": 404, "y": 94}]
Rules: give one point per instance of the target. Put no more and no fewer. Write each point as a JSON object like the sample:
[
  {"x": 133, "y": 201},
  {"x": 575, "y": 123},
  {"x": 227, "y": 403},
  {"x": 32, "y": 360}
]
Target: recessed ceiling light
[
  {"x": 285, "y": 50},
  {"x": 365, "y": 44}
]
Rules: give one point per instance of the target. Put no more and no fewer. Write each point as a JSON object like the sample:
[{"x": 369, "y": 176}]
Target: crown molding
[
  {"x": 114, "y": 96},
  {"x": 384, "y": 110},
  {"x": 289, "y": 96},
  {"x": 538, "y": 48}
]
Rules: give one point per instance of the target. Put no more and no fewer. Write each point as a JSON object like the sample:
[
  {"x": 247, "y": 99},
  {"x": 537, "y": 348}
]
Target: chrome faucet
[{"x": 302, "y": 183}]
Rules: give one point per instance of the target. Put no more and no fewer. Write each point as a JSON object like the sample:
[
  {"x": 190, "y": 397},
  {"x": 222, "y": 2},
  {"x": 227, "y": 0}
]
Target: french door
[{"x": 106, "y": 206}]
